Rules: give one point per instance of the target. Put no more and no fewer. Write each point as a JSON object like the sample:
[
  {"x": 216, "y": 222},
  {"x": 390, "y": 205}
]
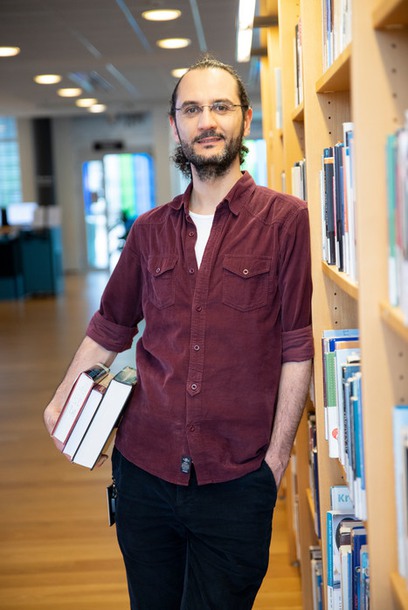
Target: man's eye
[
  {"x": 220, "y": 107},
  {"x": 191, "y": 110}
]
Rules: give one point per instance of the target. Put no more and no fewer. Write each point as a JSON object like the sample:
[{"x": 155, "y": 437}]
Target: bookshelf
[{"x": 367, "y": 84}]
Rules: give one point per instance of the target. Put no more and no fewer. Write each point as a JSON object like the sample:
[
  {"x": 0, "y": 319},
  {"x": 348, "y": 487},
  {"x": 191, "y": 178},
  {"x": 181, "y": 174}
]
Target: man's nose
[{"x": 206, "y": 118}]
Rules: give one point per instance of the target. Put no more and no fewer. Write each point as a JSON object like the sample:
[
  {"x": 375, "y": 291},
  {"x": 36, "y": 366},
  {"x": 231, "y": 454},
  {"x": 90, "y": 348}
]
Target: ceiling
[{"x": 108, "y": 47}]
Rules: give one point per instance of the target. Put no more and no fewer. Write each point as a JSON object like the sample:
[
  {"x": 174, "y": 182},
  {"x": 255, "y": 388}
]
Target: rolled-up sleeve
[
  {"x": 115, "y": 323},
  {"x": 111, "y": 336}
]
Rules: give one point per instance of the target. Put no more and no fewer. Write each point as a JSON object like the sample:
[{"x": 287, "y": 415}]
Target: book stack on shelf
[
  {"x": 400, "y": 428},
  {"x": 298, "y": 54},
  {"x": 355, "y": 93},
  {"x": 397, "y": 204},
  {"x": 91, "y": 413},
  {"x": 336, "y": 29},
  {"x": 314, "y": 471},
  {"x": 347, "y": 551},
  {"x": 316, "y": 567},
  {"x": 298, "y": 177},
  {"x": 338, "y": 205}
]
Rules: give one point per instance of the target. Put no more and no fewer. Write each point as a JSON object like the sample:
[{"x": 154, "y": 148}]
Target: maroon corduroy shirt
[{"x": 215, "y": 338}]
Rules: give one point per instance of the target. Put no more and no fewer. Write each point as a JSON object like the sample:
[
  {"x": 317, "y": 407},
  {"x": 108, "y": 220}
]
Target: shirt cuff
[
  {"x": 111, "y": 336},
  {"x": 297, "y": 345}
]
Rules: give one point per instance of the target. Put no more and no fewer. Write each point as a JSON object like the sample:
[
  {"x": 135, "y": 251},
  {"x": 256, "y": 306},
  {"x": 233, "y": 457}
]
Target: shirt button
[
  {"x": 191, "y": 234},
  {"x": 245, "y": 271},
  {"x": 199, "y": 308},
  {"x": 191, "y": 271},
  {"x": 196, "y": 348},
  {"x": 192, "y": 428},
  {"x": 194, "y": 386},
  {"x": 158, "y": 270}
]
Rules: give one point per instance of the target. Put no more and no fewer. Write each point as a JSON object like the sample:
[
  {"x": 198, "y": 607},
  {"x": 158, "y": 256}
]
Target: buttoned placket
[{"x": 198, "y": 325}]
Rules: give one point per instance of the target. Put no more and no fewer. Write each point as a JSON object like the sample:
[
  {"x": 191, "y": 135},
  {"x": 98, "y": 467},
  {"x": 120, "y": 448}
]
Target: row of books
[
  {"x": 336, "y": 29},
  {"x": 316, "y": 566},
  {"x": 400, "y": 442},
  {"x": 397, "y": 206},
  {"x": 298, "y": 179},
  {"x": 91, "y": 412},
  {"x": 344, "y": 408},
  {"x": 314, "y": 471},
  {"x": 337, "y": 195},
  {"x": 348, "y": 580},
  {"x": 298, "y": 64}
]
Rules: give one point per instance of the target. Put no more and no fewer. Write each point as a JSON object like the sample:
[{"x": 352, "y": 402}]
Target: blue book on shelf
[{"x": 358, "y": 539}]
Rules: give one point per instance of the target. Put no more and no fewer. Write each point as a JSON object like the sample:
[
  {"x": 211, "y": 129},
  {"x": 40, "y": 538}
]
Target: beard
[{"x": 213, "y": 166}]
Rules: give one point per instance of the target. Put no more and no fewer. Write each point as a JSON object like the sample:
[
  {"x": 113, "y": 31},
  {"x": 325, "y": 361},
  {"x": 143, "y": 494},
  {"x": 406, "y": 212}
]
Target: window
[{"x": 10, "y": 174}]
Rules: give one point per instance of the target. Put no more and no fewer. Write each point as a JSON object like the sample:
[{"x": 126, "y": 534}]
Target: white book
[
  {"x": 104, "y": 421},
  {"x": 76, "y": 401},
  {"x": 85, "y": 417}
]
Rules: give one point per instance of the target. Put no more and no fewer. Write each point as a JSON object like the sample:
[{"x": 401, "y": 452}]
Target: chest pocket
[
  {"x": 245, "y": 282},
  {"x": 161, "y": 281}
]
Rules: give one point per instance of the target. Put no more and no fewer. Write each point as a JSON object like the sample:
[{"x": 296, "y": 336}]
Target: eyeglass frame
[{"x": 201, "y": 107}]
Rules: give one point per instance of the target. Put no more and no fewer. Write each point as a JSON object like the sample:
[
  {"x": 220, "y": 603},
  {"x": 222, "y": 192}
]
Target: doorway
[{"x": 116, "y": 189}]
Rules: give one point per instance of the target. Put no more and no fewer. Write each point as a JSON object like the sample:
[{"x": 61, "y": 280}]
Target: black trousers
[{"x": 197, "y": 547}]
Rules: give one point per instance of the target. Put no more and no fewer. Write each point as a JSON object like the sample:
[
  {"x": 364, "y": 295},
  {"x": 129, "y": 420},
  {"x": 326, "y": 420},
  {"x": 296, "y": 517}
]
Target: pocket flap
[
  {"x": 247, "y": 266},
  {"x": 157, "y": 265}
]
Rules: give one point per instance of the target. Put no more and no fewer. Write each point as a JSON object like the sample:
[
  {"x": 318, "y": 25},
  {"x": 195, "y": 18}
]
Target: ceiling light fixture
[
  {"x": 173, "y": 43},
  {"x": 96, "y": 108},
  {"x": 69, "y": 92},
  {"x": 47, "y": 79},
  {"x": 246, "y": 14},
  {"x": 86, "y": 102},
  {"x": 9, "y": 51},
  {"x": 178, "y": 72},
  {"x": 161, "y": 14}
]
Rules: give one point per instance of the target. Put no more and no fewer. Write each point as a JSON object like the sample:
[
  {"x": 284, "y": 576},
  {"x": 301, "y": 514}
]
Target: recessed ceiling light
[
  {"x": 178, "y": 72},
  {"x": 173, "y": 43},
  {"x": 86, "y": 102},
  {"x": 161, "y": 14},
  {"x": 47, "y": 79},
  {"x": 69, "y": 92},
  {"x": 97, "y": 108},
  {"x": 9, "y": 51}
]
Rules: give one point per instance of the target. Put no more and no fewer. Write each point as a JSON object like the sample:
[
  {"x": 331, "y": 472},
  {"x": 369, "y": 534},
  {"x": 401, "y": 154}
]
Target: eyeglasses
[{"x": 192, "y": 111}]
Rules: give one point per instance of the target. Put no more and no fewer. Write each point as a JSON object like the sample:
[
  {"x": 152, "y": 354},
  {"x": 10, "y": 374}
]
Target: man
[{"x": 221, "y": 276}]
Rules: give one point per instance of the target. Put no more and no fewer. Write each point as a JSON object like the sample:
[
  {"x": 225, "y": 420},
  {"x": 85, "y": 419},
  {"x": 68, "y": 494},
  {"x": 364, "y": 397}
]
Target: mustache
[{"x": 210, "y": 133}]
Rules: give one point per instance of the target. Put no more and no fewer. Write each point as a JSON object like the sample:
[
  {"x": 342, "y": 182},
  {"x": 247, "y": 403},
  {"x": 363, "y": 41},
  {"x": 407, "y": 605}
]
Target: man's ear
[
  {"x": 247, "y": 122},
  {"x": 174, "y": 129}
]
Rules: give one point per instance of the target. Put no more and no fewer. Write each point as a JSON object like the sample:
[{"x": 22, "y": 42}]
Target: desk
[{"x": 30, "y": 262}]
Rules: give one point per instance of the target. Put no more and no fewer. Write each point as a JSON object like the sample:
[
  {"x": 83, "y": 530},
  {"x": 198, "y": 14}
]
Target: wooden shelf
[
  {"x": 337, "y": 77},
  {"x": 389, "y": 14},
  {"x": 341, "y": 279},
  {"x": 394, "y": 318},
  {"x": 298, "y": 114},
  {"x": 399, "y": 590}
]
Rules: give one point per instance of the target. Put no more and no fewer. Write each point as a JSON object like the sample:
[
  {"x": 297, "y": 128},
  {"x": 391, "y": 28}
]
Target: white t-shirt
[{"x": 203, "y": 223}]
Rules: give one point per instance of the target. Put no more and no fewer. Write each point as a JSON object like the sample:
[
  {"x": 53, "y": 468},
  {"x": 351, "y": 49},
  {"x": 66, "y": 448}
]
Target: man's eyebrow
[{"x": 215, "y": 101}]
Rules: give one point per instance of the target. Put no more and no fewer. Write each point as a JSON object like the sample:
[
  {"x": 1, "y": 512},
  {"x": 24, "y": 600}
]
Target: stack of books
[{"x": 92, "y": 411}]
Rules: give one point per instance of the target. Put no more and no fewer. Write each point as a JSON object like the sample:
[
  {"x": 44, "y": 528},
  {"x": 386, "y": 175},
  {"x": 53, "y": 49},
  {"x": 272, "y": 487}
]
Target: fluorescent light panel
[
  {"x": 173, "y": 43},
  {"x": 246, "y": 14},
  {"x": 161, "y": 14},
  {"x": 9, "y": 51}
]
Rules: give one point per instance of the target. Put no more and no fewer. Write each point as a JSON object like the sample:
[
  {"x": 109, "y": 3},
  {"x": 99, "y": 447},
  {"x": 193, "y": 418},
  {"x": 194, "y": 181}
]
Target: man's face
[{"x": 210, "y": 142}]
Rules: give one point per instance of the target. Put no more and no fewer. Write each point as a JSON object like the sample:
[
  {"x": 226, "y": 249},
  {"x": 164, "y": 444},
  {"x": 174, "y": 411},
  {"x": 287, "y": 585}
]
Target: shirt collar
[{"x": 236, "y": 198}]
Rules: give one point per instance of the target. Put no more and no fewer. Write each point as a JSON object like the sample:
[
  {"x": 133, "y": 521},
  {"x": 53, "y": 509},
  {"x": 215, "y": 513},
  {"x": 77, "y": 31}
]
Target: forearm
[
  {"x": 293, "y": 390},
  {"x": 88, "y": 354}
]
